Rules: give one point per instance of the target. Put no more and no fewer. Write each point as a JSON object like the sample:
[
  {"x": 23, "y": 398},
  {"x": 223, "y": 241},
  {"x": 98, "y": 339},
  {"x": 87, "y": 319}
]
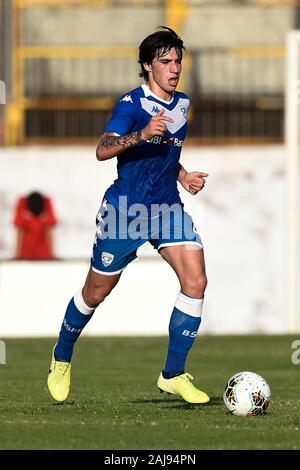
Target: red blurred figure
[{"x": 34, "y": 219}]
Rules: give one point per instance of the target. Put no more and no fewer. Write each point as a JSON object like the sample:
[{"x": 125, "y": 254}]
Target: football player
[{"x": 145, "y": 133}]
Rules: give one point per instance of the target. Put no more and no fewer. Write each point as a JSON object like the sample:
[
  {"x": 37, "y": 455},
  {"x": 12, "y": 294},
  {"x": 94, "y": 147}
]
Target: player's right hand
[{"x": 156, "y": 126}]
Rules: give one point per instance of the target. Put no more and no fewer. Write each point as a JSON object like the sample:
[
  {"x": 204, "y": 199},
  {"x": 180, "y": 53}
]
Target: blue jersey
[{"x": 147, "y": 172}]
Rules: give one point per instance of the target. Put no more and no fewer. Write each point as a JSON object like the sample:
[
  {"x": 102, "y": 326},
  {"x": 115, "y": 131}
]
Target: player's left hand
[{"x": 193, "y": 182}]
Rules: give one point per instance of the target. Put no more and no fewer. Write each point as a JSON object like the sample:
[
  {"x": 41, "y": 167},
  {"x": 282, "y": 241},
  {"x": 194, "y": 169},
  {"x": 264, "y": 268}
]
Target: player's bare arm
[
  {"x": 111, "y": 145},
  {"x": 192, "y": 182}
]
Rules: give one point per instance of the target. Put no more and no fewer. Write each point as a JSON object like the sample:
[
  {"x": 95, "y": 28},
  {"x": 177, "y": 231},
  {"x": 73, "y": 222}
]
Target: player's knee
[
  {"x": 95, "y": 295},
  {"x": 194, "y": 286}
]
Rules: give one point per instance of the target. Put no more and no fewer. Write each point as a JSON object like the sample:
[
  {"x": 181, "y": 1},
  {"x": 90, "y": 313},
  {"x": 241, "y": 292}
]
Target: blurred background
[{"x": 63, "y": 64}]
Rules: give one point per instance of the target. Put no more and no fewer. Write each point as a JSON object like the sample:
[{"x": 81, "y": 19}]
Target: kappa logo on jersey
[
  {"x": 98, "y": 232},
  {"x": 127, "y": 98},
  {"x": 106, "y": 258},
  {"x": 155, "y": 110}
]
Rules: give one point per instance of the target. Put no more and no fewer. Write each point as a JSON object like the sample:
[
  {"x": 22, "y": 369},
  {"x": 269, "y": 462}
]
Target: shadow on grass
[
  {"x": 214, "y": 401},
  {"x": 64, "y": 403},
  {"x": 156, "y": 400}
]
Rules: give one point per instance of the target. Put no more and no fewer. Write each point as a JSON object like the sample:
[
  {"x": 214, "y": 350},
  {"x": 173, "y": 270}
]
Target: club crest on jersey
[
  {"x": 106, "y": 258},
  {"x": 183, "y": 110}
]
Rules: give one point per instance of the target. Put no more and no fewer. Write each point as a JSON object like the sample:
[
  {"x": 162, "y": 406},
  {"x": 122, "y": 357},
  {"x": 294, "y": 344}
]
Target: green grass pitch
[{"x": 114, "y": 403}]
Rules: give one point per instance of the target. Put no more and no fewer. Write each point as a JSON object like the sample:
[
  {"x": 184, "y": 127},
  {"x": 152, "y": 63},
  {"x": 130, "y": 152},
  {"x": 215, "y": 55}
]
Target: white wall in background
[{"x": 240, "y": 215}]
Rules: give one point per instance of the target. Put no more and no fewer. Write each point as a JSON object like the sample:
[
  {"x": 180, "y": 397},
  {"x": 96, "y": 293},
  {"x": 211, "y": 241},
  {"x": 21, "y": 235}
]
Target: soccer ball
[{"x": 247, "y": 394}]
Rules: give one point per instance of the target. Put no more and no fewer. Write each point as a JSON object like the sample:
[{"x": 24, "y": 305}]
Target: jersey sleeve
[{"x": 124, "y": 116}]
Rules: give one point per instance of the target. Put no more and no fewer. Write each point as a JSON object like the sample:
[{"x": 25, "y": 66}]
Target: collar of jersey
[{"x": 148, "y": 92}]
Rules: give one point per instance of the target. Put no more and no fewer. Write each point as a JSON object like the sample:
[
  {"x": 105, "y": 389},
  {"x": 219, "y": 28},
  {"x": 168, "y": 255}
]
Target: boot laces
[
  {"x": 187, "y": 377},
  {"x": 62, "y": 367}
]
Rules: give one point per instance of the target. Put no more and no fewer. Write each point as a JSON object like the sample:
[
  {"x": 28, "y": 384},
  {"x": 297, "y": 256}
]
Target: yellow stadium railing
[
  {"x": 14, "y": 133},
  {"x": 176, "y": 13}
]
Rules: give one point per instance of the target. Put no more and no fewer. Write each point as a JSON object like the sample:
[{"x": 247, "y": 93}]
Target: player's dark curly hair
[{"x": 157, "y": 45}]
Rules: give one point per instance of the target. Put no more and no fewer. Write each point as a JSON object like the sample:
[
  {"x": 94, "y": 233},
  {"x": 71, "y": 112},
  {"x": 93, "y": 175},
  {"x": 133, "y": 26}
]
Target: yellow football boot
[
  {"x": 59, "y": 379},
  {"x": 182, "y": 385}
]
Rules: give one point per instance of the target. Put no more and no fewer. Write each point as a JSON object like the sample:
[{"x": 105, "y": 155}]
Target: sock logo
[
  {"x": 106, "y": 258},
  {"x": 191, "y": 334},
  {"x": 71, "y": 329}
]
